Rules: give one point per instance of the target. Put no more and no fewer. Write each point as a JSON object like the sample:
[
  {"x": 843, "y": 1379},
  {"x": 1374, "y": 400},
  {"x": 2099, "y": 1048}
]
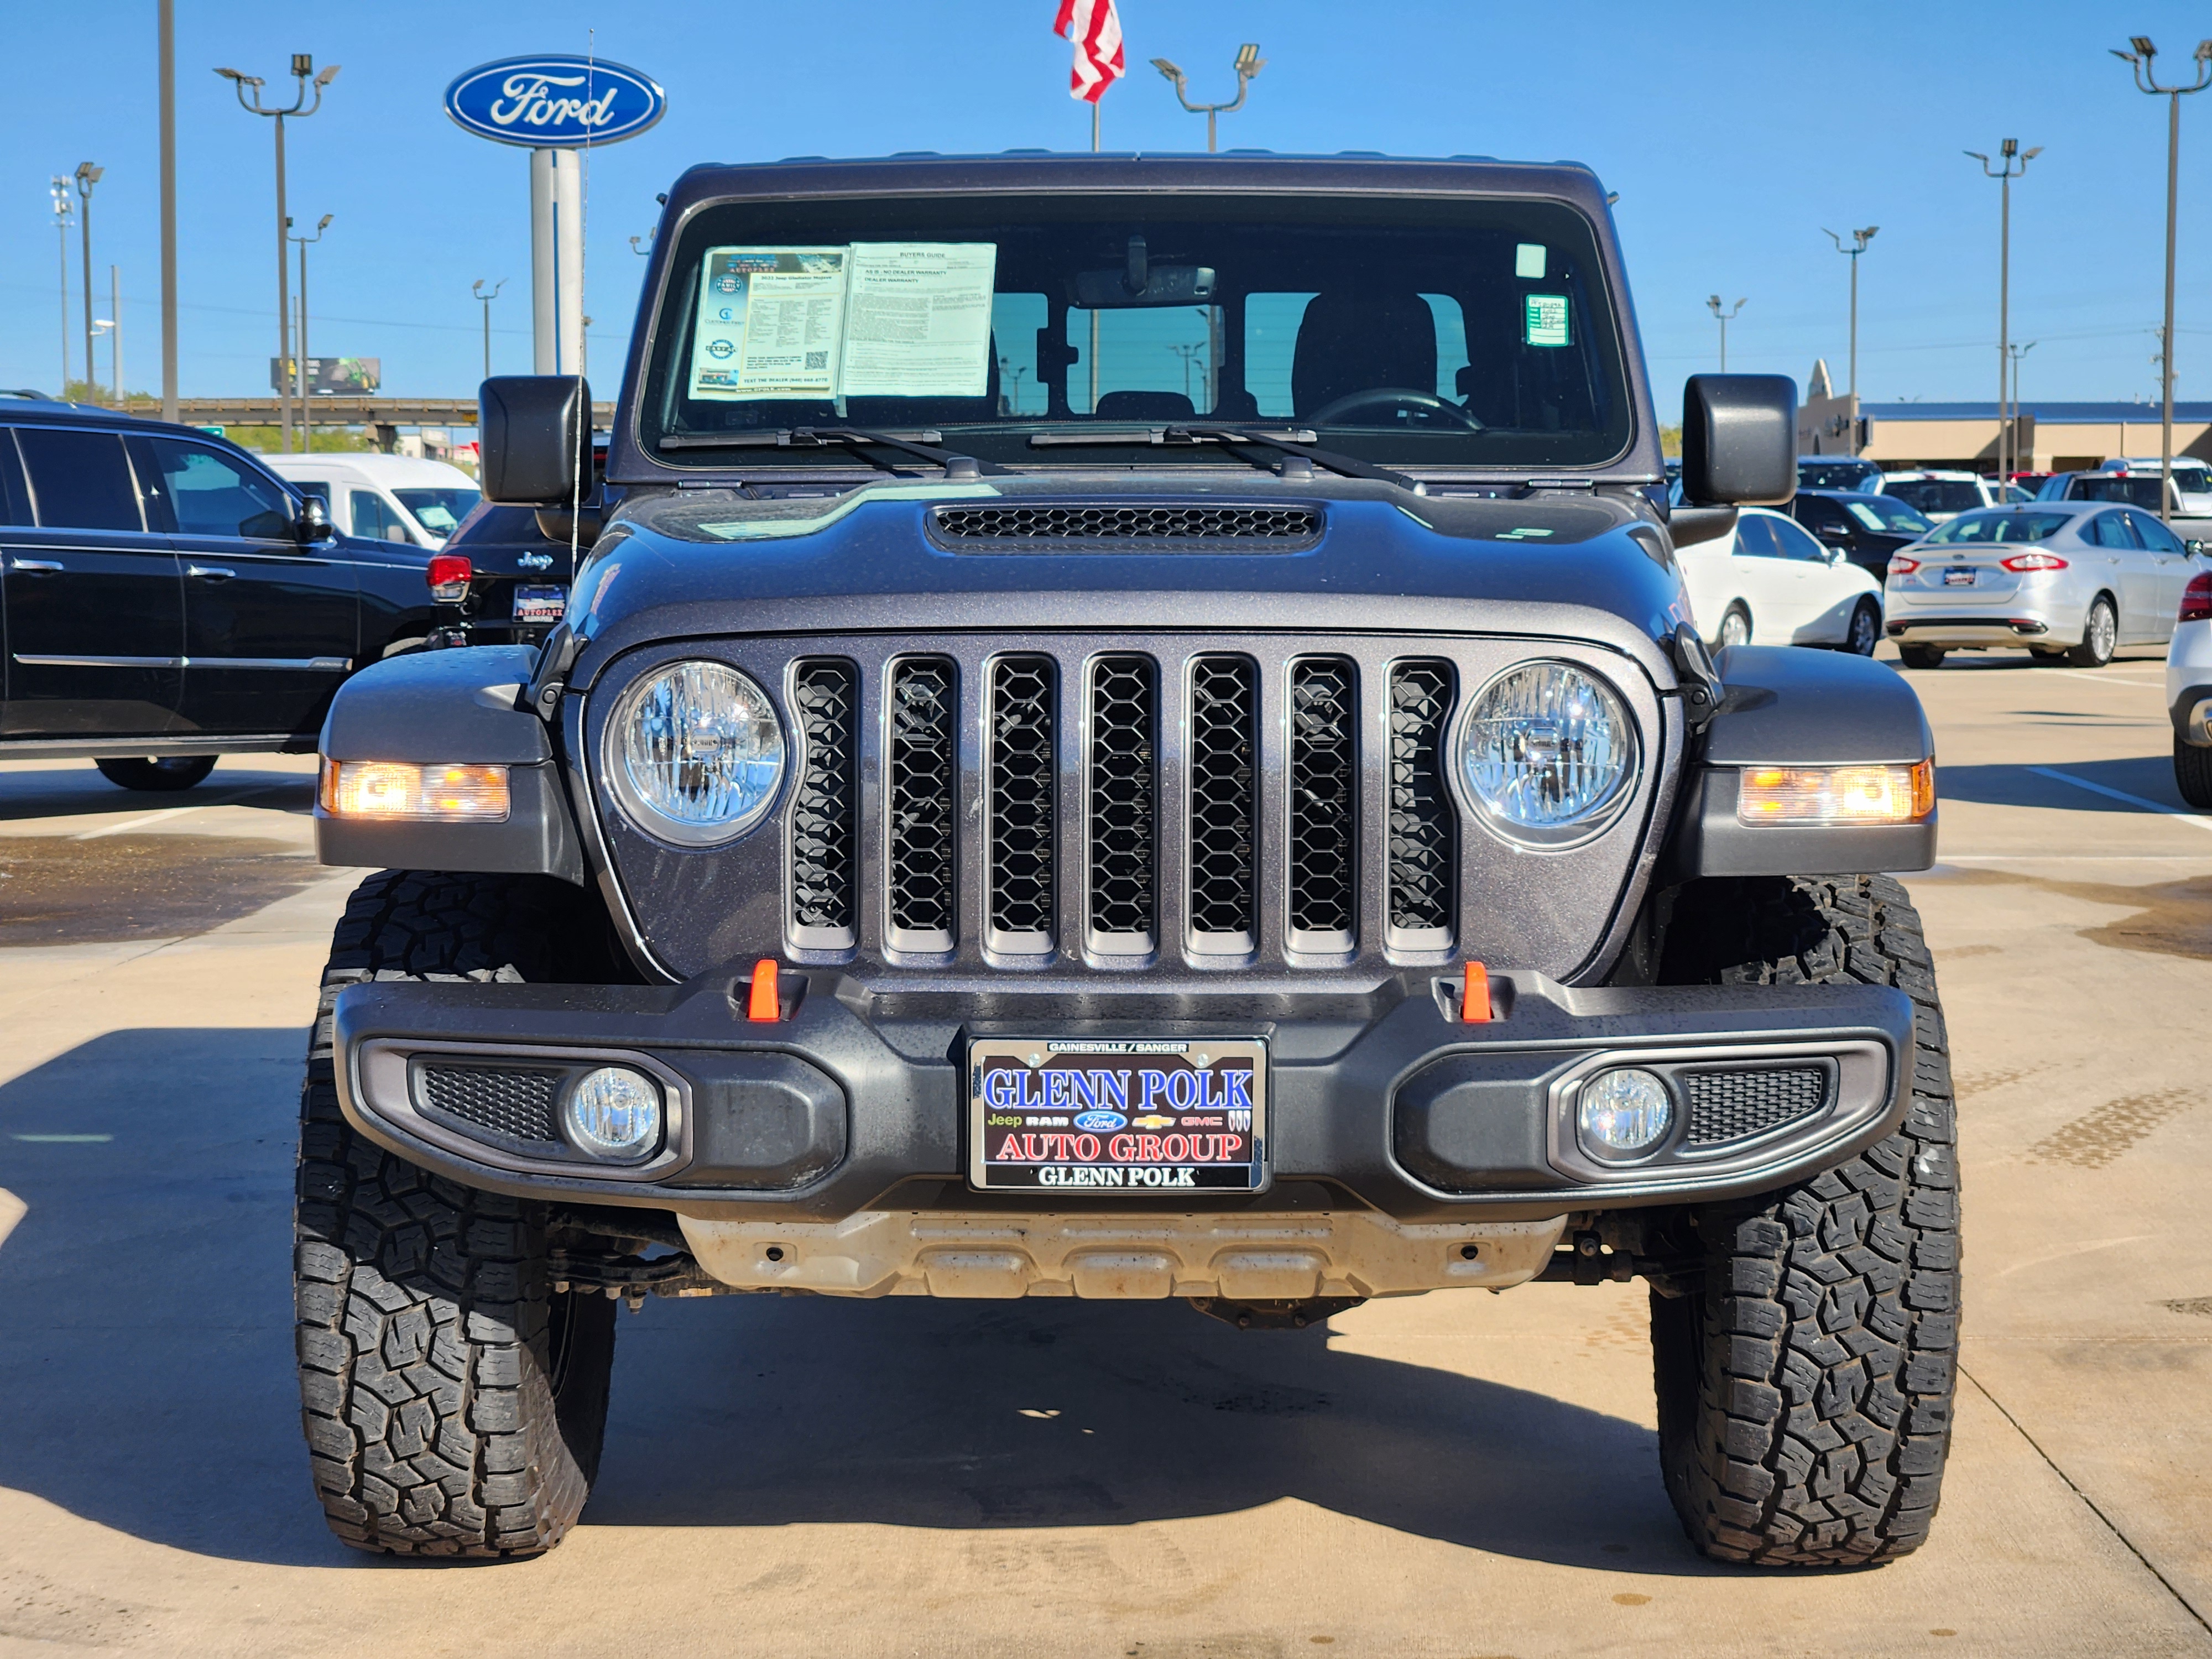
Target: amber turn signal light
[
  {"x": 448, "y": 791},
  {"x": 1836, "y": 794}
]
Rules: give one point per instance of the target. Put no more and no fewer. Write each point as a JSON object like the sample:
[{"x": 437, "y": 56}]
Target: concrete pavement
[{"x": 1449, "y": 1475}]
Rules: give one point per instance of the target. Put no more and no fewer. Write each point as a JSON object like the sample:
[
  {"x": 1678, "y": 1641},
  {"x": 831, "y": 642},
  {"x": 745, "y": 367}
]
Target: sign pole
[{"x": 556, "y": 259}]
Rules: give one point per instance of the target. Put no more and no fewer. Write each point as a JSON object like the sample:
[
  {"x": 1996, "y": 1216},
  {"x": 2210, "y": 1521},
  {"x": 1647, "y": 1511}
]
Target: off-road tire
[
  {"x": 1805, "y": 1387},
  {"x": 2098, "y": 644},
  {"x": 161, "y": 775},
  {"x": 2192, "y": 773},
  {"x": 1921, "y": 656},
  {"x": 454, "y": 1403}
]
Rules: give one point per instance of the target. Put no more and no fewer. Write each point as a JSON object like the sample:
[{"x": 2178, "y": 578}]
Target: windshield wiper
[
  {"x": 1349, "y": 466},
  {"x": 957, "y": 466}
]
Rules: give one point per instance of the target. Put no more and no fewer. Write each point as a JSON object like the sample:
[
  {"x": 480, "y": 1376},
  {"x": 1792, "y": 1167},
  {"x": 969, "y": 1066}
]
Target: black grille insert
[
  {"x": 1736, "y": 1104},
  {"x": 825, "y": 836},
  {"x": 1324, "y": 850},
  {"x": 1105, "y": 522},
  {"x": 1224, "y": 707},
  {"x": 507, "y": 1100},
  {"x": 921, "y": 801},
  {"x": 1422, "y": 833},
  {"x": 1022, "y": 779},
  {"x": 1123, "y": 787}
]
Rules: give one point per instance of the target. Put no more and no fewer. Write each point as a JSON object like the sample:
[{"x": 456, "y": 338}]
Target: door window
[
  {"x": 212, "y": 495},
  {"x": 15, "y": 498},
  {"x": 1818, "y": 512},
  {"x": 1754, "y": 537},
  {"x": 1791, "y": 541},
  {"x": 2111, "y": 530},
  {"x": 372, "y": 519},
  {"x": 2154, "y": 534},
  {"x": 80, "y": 480}
]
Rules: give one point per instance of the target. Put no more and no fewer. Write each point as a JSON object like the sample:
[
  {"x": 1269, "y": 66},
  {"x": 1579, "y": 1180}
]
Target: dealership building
[{"x": 2050, "y": 437}]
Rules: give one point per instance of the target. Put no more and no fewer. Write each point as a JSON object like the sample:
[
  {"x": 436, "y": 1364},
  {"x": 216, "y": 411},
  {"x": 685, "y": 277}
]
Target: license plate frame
[
  {"x": 540, "y": 602},
  {"x": 1012, "y": 1098}
]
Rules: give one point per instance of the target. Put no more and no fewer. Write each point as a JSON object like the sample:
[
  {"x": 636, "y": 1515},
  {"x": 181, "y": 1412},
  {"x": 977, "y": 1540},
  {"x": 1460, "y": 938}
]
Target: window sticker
[
  {"x": 870, "y": 319},
  {"x": 1529, "y": 260},
  {"x": 1544, "y": 320}
]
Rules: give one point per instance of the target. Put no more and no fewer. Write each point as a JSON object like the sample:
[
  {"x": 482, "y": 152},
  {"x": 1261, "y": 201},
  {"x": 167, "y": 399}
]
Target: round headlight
[
  {"x": 695, "y": 752},
  {"x": 1547, "y": 752},
  {"x": 1623, "y": 1114},
  {"x": 613, "y": 1113}
]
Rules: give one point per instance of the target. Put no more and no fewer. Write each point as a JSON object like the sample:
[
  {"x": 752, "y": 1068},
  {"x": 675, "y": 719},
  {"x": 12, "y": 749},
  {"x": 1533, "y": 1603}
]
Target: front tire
[
  {"x": 2192, "y": 773},
  {"x": 160, "y": 775},
  {"x": 1805, "y": 1386},
  {"x": 1864, "y": 633},
  {"x": 1736, "y": 628},
  {"x": 2100, "y": 635},
  {"x": 454, "y": 1403}
]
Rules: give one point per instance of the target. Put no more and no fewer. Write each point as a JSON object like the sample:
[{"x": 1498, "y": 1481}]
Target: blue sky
[{"x": 1733, "y": 133}]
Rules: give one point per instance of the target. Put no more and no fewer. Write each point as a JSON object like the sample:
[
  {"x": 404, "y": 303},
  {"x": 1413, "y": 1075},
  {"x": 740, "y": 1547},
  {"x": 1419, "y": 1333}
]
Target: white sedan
[{"x": 1769, "y": 583}]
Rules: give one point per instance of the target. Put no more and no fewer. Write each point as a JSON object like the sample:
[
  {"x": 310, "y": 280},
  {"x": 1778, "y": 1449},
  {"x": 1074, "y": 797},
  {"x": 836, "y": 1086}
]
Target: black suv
[
  {"x": 1868, "y": 528},
  {"x": 167, "y": 599},
  {"x": 1133, "y": 732}
]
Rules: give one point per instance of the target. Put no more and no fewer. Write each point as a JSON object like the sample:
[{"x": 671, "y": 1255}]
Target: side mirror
[
  {"x": 314, "y": 521},
  {"x": 1740, "y": 439},
  {"x": 2196, "y": 549},
  {"x": 535, "y": 431}
]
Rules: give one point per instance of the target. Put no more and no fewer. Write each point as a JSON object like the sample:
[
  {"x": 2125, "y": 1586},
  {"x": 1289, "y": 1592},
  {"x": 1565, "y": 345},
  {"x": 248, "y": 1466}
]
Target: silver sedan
[{"x": 2070, "y": 581}]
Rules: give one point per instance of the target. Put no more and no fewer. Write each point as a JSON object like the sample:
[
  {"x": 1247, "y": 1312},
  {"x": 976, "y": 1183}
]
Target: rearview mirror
[
  {"x": 535, "y": 433},
  {"x": 1740, "y": 439},
  {"x": 314, "y": 521}
]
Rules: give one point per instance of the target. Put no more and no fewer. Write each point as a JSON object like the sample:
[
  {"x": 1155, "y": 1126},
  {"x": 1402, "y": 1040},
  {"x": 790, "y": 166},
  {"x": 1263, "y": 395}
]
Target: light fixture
[
  {"x": 452, "y": 792},
  {"x": 1836, "y": 794},
  {"x": 614, "y": 1113},
  {"x": 1623, "y": 1114}
]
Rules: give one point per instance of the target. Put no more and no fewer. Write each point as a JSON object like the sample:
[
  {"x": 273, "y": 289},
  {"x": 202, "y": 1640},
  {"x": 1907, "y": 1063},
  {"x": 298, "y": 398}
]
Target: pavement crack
[{"x": 2089, "y": 1503}]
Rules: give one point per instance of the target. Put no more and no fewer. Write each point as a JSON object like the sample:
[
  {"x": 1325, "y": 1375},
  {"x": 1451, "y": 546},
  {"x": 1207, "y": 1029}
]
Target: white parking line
[
  {"x": 12, "y": 1210},
  {"x": 169, "y": 812},
  {"x": 2121, "y": 795}
]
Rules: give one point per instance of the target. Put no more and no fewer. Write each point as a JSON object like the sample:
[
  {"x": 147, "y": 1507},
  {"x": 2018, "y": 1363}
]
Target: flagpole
[{"x": 1094, "y": 103}]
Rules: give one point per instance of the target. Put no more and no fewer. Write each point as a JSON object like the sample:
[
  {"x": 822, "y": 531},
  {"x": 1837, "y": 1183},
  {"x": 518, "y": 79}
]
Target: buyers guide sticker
[
  {"x": 897, "y": 320},
  {"x": 1544, "y": 320},
  {"x": 1115, "y": 1116}
]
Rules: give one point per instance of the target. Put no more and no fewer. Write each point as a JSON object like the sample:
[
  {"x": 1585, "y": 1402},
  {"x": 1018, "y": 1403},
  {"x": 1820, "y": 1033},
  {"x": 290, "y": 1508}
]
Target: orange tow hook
[
  {"x": 761, "y": 1007},
  {"x": 1474, "y": 995}
]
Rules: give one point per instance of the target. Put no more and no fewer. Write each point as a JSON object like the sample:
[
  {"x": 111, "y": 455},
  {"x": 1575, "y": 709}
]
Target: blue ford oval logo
[
  {"x": 555, "y": 101},
  {"x": 1098, "y": 1123}
]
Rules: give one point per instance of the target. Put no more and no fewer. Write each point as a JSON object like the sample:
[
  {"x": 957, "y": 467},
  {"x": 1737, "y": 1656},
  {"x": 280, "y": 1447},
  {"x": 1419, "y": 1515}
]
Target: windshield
[
  {"x": 1399, "y": 332},
  {"x": 2136, "y": 490},
  {"x": 1881, "y": 513},
  {"x": 439, "y": 511},
  {"x": 1936, "y": 495},
  {"x": 1986, "y": 527},
  {"x": 1836, "y": 475}
]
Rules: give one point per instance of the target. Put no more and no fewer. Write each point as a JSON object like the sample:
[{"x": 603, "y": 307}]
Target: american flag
[{"x": 1095, "y": 28}]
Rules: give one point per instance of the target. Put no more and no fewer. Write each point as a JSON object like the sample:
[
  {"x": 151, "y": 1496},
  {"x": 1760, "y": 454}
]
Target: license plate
[
  {"x": 1958, "y": 578},
  {"x": 1115, "y": 1116},
  {"x": 534, "y": 604}
]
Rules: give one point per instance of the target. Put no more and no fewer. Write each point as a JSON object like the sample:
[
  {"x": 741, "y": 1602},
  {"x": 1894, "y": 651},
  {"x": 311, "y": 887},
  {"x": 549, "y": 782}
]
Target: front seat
[{"x": 1357, "y": 340}]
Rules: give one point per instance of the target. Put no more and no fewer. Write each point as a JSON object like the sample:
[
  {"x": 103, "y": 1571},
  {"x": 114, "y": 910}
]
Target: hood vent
[{"x": 1183, "y": 525}]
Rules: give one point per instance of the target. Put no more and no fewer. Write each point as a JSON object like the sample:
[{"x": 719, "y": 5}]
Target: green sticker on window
[{"x": 1546, "y": 320}]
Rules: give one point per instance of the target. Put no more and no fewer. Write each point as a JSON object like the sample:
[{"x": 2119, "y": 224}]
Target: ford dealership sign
[{"x": 555, "y": 101}]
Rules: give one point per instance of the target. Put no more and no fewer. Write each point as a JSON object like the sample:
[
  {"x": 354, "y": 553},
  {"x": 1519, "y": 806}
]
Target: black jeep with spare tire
[{"x": 1130, "y": 727}]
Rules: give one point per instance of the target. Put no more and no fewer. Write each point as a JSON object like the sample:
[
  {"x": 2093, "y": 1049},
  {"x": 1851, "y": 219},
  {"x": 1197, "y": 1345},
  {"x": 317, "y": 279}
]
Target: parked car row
[{"x": 166, "y": 597}]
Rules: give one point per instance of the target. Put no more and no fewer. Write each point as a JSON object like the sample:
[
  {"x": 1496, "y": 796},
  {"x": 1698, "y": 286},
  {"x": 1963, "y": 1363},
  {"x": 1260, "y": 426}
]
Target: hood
[{"x": 699, "y": 562}]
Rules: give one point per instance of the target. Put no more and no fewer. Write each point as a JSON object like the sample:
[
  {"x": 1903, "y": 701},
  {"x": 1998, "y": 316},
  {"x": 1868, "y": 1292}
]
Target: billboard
[{"x": 349, "y": 377}]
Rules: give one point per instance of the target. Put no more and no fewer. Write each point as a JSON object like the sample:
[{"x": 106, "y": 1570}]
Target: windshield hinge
[
  {"x": 1572, "y": 486},
  {"x": 1702, "y": 689}
]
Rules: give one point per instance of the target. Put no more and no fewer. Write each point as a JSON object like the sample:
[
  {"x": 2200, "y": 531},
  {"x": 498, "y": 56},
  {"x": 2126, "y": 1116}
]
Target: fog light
[
  {"x": 613, "y": 1113},
  {"x": 1623, "y": 1114}
]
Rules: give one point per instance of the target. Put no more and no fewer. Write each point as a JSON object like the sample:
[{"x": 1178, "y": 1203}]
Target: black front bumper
[{"x": 1382, "y": 1097}]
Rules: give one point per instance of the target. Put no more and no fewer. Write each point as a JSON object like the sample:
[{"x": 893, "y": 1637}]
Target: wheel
[
  {"x": 1921, "y": 656},
  {"x": 1865, "y": 631},
  {"x": 454, "y": 1403},
  {"x": 1805, "y": 1387},
  {"x": 170, "y": 772},
  {"x": 1736, "y": 627},
  {"x": 2048, "y": 654},
  {"x": 2192, "y": 772},
  {"x": 2100, "y": 633}
]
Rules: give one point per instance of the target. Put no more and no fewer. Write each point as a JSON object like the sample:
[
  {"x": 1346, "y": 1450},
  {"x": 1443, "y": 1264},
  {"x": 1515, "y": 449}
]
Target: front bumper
[{"x": 1383, "y": 1100}]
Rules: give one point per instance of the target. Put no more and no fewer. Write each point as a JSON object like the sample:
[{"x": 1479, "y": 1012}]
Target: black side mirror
[
  {"x": 2196, "y": 548},
  {"x": 535, "y": 432},
  {"x": 1740, "y": 439},
  {"x": 314, "y": 520}
]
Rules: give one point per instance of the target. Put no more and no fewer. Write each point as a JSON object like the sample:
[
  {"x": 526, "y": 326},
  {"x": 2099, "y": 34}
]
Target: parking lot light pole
[
  {"x": 1249, "y": 63},
  {"x": 87, "y": 176},
  {"x": 303, "y": 67},
  {"x": 300, "y": 375},
  {"x": 2138, "y": 57},
  {"x": 1859, "y": 240},
  {"x": 2005, "y": 171},
  {"x": 63, "y": 209},
  {"x": 1722, "y": 317},
  {"x": 477, "y": 288},
  {"x": 2018, "y": 352}
]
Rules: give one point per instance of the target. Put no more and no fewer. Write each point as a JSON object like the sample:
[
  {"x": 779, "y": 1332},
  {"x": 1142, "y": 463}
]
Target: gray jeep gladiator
[{"x": 1130, "y": 727}]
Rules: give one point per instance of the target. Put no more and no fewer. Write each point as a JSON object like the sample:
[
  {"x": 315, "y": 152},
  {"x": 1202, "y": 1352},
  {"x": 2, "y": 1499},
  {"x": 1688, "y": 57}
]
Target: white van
[{"x": 386, "y": 498}]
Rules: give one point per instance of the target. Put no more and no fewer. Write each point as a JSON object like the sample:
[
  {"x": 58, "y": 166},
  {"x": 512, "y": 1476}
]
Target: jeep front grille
[
  {"x": 824, "y": 829},
  {"x": 1422, "y": 827},
  {"x": 1324, "y": 816},
  {"x": 919, "y": 811},
  {"x": 1223, "y": 709},
  {"x": 1177, "y": 525},
  {"x": 1123, "y": 792},
  {"x": 1019, "y": 855}
]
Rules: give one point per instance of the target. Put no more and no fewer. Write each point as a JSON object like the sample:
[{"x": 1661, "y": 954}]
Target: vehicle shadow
[
  {"x": 147, "y": 1362},
  {"x": 2149, "y": 777},
  {"x": 67, "y": 789}
]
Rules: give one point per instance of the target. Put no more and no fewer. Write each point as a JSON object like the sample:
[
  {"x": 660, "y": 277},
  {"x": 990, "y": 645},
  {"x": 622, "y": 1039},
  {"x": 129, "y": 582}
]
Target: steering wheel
[{"x": 1403, "y": 399}]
